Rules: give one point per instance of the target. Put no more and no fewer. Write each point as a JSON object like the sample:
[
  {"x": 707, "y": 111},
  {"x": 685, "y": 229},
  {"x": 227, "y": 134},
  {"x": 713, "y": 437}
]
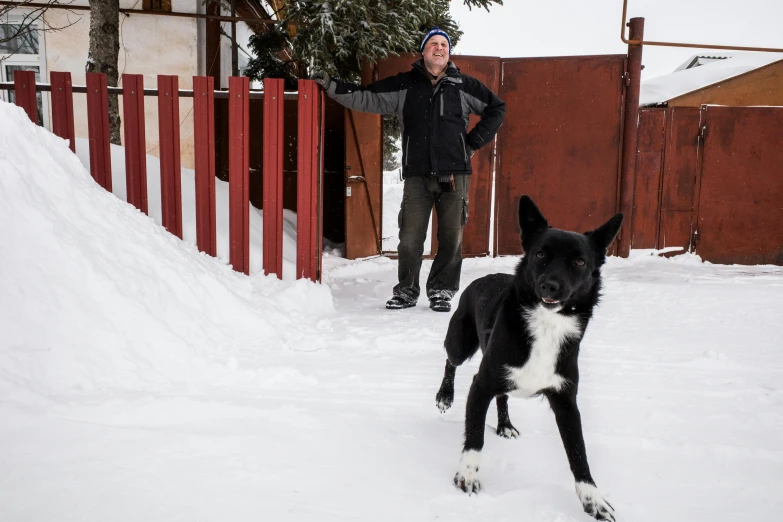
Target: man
[{"x": 432, "y": 102}]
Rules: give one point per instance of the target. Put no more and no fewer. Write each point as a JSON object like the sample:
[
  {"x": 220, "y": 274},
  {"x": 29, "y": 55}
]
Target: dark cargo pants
[{"x": 419, "y": 195}]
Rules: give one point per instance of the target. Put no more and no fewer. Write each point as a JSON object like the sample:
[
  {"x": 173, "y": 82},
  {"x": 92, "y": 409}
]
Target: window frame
[
  {"x": 28, "y": 60},
  {"x": 149, "y": 5}
]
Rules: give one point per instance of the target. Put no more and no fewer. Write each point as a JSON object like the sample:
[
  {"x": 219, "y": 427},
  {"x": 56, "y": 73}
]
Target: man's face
[{"x": 436, "y": 53}]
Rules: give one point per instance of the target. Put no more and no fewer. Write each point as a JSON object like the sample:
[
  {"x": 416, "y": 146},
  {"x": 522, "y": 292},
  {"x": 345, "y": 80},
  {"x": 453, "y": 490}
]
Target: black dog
[{"x": 529, "y": 326}]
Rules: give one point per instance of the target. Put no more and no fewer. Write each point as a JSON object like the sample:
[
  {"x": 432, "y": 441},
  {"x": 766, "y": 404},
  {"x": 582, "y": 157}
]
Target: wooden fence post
[
  {"x": 62, "y": 107},
  {"x": 239, "y": 172},
  {"x": 170, "y": 171},
  {"x": 274, "y": 99},
  {"x": 309, "y": 221},
  {"x": 204, "y": 142},
  {"x": 135, "y": 140},
  {"x": 98, "y": 129}
]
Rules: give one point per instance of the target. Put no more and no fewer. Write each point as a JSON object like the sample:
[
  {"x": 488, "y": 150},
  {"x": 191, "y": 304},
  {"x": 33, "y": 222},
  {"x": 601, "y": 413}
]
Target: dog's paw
[
  {"x": 469, "y": 484},
  {"x": 444, "y": 401},
  {"x": 594, "y": 503},
  {"x": 466, "y": 478},
  {"x": 507, "y": 431}
]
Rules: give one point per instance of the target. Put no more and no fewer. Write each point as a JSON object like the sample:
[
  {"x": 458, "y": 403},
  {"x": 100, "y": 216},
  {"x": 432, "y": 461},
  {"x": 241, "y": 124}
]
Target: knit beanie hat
[{"x": 432, "y": 32}]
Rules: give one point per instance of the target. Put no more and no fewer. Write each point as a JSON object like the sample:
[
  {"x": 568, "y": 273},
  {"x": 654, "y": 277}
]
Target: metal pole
[
  {"x": 641, "y": 41},
  {"x": 234, "y": 53},
  {"x": 632, "y": 86}
]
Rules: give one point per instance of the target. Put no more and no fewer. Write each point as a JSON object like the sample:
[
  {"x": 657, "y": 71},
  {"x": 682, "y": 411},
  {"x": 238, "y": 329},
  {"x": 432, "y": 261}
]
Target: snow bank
[{"x": 96, "y": 295}]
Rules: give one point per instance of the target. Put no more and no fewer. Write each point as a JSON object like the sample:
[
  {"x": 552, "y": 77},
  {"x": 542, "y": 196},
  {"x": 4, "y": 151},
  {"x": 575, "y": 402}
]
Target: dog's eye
[
  {"x": 540, "y": 254},
  {"x": 579, "y": 262}
]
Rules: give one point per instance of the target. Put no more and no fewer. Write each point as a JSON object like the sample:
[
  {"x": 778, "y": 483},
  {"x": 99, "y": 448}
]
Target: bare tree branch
[{"x": 22, "y": 29}]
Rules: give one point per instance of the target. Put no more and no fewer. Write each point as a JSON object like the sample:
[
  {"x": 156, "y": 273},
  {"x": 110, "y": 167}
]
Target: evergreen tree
[{"x": 337, "y": 36}]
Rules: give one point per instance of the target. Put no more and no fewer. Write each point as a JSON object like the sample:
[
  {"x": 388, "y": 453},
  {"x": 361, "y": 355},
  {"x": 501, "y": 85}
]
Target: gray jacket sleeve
[{"x": 381, "y": 97}]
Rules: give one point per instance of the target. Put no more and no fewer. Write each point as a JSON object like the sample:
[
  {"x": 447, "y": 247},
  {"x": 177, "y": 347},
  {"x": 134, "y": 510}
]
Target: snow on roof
[{"x": 721, "y": 67}]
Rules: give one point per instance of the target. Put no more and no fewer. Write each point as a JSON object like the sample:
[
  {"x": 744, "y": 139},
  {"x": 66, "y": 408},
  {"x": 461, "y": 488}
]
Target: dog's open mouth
[{"x": 550, "y": 304}]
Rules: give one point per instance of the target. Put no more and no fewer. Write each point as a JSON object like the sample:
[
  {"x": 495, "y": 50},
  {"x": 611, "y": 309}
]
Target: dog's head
[{"x": 561, "y": 266}]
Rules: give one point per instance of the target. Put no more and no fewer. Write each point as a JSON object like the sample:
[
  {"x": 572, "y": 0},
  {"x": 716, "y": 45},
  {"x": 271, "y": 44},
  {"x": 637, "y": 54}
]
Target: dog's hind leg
[
  {"x": 445, "y": 397},
  {"x": 462, "y": 340},
  {"x": 461, "y": 344},
  {"x": 505, "y": 428}
]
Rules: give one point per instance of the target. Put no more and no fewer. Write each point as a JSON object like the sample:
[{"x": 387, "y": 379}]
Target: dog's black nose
[{"x": 549, "y": 287}]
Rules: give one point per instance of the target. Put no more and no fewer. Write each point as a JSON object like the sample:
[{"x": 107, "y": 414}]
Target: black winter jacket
[{"x": 433, "y": 118}]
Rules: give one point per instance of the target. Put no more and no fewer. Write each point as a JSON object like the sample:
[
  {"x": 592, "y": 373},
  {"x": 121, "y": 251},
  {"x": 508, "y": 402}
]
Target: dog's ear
[
  {"x": 531, "y": 221},
  {"x": 603, "y": 236}
]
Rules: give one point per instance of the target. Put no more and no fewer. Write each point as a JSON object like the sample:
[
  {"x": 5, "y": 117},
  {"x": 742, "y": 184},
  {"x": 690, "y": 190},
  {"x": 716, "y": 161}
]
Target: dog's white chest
[{"x": 549, "y": 331}]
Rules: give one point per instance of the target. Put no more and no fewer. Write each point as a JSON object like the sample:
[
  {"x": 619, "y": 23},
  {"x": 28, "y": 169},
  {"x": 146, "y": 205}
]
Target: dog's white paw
[
  {"x": 466, "y": 478},
  {"x": 508, "y": 432},
  {"x": 444, "y": 404},
  {"x": 594, "y": 503}
]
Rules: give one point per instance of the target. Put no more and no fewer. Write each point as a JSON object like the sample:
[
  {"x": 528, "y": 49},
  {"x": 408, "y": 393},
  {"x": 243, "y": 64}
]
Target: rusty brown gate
[
  {"x": 710, "y": 181},
  {"x": 739, "y": 215},
  {"x": 364, "y": 174},
  {"x": 560, "y": 142},
  {"x": 666, "y": 170}
]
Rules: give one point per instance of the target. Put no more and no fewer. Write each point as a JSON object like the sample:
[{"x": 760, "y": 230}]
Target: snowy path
[{"x": 683, "y": 419}]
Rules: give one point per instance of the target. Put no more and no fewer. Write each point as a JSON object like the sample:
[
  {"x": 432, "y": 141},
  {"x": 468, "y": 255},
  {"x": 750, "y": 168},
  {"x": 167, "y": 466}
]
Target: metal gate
[
  {"x": 363, "y": 184},
  {"x": 666, "y": 171},
  {"x": 560, "y": 142},
  {"x": 475, "y": 238},
  {"x": 739, "y": 216}
]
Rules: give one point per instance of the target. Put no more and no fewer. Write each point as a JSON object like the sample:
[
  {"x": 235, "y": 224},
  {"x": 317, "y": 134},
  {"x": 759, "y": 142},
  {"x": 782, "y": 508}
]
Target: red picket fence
[{"x": 309, "y": 156}]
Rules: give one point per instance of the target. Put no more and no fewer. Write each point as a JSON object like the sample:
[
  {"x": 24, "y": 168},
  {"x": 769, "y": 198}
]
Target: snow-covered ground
[{"x": 142, "y": 380}]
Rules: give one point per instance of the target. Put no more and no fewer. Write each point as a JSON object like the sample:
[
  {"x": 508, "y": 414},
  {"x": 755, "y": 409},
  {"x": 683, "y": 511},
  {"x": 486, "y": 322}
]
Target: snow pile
[
  {"x": 96, "y": 295},
  {"x": 664, "y": 88}
]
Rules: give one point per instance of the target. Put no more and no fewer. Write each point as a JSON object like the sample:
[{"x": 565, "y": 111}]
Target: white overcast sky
[{"x": 576, "y": 27}]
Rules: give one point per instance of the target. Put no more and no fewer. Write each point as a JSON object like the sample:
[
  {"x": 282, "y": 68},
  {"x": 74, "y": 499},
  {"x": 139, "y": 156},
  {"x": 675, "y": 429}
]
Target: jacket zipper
[
  {"x": 407, "y": 143},
  {"x": 441, "y": 105},
  {"x": 464, "y": 151}
]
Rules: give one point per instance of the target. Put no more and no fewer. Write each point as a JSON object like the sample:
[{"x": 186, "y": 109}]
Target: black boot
[
  {"x": 440, "y": 304},
  {"x": 398, "y": 302}
]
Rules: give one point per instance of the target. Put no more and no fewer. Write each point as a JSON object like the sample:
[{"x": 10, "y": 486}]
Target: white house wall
[{"x": 149, "y": 45}]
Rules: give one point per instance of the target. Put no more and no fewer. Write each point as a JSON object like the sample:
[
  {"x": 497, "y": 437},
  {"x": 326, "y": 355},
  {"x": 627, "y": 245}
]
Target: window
[
  {"x": 21, "y": 50},
  {"x": 157, "y": 5},
  {"x": 25, "y": 42}
]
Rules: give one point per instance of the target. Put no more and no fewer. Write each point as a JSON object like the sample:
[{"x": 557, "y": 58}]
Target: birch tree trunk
[{"x": 104, "y": 53}]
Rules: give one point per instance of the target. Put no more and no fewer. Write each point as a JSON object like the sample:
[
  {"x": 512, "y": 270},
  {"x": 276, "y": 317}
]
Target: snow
[
  {"x": 143, "y": 380},
  {"x": 664, "y": 88}
]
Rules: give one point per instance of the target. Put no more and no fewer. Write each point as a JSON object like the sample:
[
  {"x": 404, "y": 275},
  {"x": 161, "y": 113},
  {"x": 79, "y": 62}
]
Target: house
[
  {"x": 737, "y": 79},
  {"x": 152, "y": 41}
]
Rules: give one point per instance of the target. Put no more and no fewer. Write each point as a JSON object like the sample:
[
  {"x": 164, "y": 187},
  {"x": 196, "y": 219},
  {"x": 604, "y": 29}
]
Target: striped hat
[{"x": 432, "y": 32}]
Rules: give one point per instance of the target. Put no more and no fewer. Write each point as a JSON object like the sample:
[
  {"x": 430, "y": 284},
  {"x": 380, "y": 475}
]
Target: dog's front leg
[
  {"x": 475, "y": 418},
  {"x": 569, "y": 423}
]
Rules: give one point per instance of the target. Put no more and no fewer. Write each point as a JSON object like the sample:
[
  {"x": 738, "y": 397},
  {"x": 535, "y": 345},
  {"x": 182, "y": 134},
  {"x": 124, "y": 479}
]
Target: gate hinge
[
  {"x": 703, "y": 131},
  {"x": 626, "y": 79}
]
